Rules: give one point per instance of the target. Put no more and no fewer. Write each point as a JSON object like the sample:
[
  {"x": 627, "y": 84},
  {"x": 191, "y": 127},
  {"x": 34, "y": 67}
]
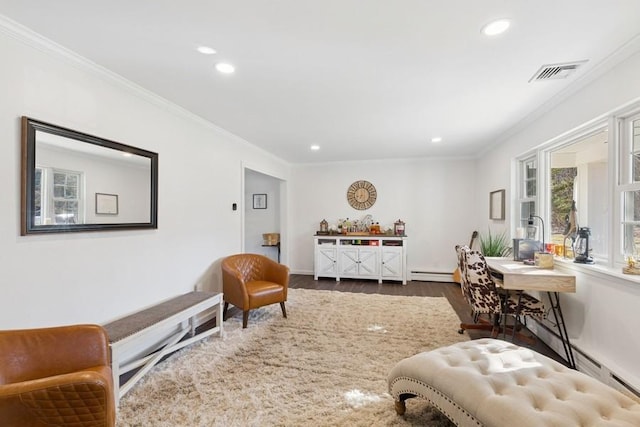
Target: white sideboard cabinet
[{"x": 361, "y": 257}]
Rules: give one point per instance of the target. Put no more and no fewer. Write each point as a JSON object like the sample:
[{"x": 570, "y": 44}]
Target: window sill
[{"x": 596, "y": 270}]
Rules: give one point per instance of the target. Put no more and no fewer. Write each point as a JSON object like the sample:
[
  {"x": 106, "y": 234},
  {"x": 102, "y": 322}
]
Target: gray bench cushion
[{"x": 136, "y": 322}]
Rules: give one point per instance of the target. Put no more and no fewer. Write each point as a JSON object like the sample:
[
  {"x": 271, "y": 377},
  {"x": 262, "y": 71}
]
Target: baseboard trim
[
  {"x": 585, "y": 362},
  {"x": 431, "y": 276}
]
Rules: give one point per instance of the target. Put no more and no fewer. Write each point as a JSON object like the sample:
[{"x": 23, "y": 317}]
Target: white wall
[
  {"x": 434, "y": 197},
  {"x": 96, "y": 277},
  {"x": 602, "y": 316}
]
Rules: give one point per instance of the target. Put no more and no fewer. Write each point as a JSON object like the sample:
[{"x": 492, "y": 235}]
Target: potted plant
[{"x": 494, "y": 245}]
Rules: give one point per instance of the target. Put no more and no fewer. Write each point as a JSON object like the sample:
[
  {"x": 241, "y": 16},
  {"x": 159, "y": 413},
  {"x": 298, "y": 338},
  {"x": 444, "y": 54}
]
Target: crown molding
[
  {"x": 614, "y": 59},
  {"x": 34, "y": 40}
]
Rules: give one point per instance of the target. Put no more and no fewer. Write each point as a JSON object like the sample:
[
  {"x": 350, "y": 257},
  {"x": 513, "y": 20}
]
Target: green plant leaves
[{"x": 495, "y": 245}]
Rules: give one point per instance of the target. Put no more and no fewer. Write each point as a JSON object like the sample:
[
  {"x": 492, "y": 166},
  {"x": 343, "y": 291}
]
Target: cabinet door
[
  {"x": 326, "y": 262},
  {"x": 348, "y": 261},
  {"x": 368, "y": 262},
  {"x": 391, "y": 262}
]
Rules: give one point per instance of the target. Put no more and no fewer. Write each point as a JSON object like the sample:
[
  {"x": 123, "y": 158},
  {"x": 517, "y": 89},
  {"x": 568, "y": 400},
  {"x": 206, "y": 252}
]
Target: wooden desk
[{"x": 516, "y": 276}]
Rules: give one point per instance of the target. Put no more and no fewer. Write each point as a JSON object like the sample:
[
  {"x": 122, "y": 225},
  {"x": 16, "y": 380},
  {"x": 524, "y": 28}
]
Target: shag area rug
[{"x": 325, "y": 365}]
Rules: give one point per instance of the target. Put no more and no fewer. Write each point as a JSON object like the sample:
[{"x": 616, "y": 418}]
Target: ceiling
[{"x": 363, "y": 79}]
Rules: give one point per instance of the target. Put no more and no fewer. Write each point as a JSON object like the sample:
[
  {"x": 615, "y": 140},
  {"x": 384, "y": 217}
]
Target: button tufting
[{"x": 550, "y": 389}]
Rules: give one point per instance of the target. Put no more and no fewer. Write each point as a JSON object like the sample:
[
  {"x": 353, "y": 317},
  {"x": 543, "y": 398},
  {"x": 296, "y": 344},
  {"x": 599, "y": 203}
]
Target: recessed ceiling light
[
  {"x": 496, "y": 27},
  {"x": 436, "y": 139},
  {"x": 315, "y": 147},
  {"x": 225, "y": 68},
  {"x": 206, "y": 50}
]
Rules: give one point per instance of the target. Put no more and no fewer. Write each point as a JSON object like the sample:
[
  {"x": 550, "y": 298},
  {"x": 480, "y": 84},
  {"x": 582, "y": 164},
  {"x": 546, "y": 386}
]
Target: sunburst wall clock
[{"x": 361, "y": 195}]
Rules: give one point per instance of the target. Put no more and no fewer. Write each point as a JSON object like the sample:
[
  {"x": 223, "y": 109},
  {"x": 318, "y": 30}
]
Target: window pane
[
  {"x": 66, "y": 195},
  {"x": 59, "y": 178},
  {"x": 37, "y": 202},
  {"x": 526, "y": 210},
  {"x": 530, "y": 171},
  {"x": 58, "y": 191},
  {"x": 631, "y": 240},
  {"x": 562, "y": 184},
  {"x": 631, "y": 206},
  {"x": 635, "y": 155},
  {"x": 65, "y": 212},
  {"x": 71, "y": 193}
]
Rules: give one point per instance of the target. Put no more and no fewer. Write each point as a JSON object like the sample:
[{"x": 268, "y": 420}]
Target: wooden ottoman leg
[{"x": 401, "y": 407}]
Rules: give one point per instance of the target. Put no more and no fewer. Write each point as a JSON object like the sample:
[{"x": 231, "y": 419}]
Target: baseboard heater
[
  {"x": 432, "y": 276},
  {"x": 584, "y": 362}
]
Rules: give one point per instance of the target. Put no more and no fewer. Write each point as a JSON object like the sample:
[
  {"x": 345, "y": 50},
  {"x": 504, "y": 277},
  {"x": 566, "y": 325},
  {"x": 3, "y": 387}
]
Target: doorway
[{"x": 262, "y": 214}]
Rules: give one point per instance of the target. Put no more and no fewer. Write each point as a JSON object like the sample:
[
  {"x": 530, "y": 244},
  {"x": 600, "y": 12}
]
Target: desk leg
[
  {"x": 505, "y": 311},
  {"x": 554, "y": 298}
]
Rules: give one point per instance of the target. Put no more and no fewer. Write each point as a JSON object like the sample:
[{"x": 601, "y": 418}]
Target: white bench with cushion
[
  {"x": 490, "y": 382},
  {"x": 133, "y": 338}
]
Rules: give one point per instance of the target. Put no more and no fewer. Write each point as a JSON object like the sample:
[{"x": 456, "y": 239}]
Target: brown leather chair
[
  {"x": 57, "y": 376},
  {"x": 251, "y": 281}
]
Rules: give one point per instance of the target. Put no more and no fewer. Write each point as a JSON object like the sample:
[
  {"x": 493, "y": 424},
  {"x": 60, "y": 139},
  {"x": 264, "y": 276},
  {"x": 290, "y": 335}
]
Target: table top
[{"x": 516, "y": 275}]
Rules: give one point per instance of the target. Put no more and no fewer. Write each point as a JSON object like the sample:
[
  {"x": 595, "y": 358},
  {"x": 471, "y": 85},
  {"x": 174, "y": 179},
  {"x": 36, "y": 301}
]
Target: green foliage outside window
[{"x": 561, "y": 197}]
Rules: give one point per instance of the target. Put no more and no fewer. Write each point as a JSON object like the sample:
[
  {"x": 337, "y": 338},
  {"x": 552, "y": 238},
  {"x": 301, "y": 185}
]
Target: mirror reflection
[{"x": 77, "y": 182}]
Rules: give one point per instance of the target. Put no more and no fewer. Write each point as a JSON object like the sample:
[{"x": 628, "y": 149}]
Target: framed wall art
[
  {"x": 259, "y": 201},
  {"x": 106, "y": 204},
  {"x": 496, "y": 204}
]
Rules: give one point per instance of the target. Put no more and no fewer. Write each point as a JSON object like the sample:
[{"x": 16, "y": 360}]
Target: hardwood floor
[{"x": 451, "y": 291}]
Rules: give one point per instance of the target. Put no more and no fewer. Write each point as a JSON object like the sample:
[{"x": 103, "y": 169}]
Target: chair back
[
  {"x": 250, "y": 266},
  {"x": 461, "y": 251},
  {"x": 484, "y": 296},
  {"x": 30, "y": 354}
]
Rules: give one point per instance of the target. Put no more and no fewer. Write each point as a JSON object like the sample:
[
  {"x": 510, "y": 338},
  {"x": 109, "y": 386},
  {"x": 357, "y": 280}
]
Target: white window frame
[
  {"x": 523, "y": 197},
  {"x": 623, "y": 124},
  {"x": 618, "y": 168},
  {"x": 582, "y": 133}
]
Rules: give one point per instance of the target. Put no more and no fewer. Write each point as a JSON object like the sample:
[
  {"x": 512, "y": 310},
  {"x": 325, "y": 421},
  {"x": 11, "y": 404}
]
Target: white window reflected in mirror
[{"x": 59, "y": 196}]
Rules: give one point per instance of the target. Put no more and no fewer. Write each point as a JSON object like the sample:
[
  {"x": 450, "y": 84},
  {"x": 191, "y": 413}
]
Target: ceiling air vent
[{"x": 556, "y": 71}]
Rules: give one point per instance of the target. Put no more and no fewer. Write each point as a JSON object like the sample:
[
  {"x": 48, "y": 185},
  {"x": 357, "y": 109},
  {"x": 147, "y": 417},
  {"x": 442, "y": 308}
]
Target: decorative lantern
[
  {"x": 582, "y": 247},
  {"x": 324, "y": 227},
  {"x": 398, "y": 228}
]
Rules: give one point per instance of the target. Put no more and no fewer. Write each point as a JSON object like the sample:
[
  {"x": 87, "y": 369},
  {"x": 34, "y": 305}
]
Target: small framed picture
[
  {"x": 106, "y": 204},
  {"x": 259, "y": 201},
  {"x": 496, "y": 204}
]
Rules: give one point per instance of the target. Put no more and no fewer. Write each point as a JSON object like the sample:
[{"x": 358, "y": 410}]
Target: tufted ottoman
[{"x": 489, "y": 382}]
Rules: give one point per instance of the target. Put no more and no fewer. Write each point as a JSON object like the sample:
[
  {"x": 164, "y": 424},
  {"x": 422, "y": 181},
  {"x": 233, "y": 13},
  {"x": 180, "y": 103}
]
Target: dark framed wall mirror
[{"x": 72, "y": 182}]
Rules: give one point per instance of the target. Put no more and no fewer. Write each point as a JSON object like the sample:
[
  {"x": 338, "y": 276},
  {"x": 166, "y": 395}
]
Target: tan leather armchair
[
  {"x": 251, "y": 281},
  {"x": 58, "y": 376}
]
